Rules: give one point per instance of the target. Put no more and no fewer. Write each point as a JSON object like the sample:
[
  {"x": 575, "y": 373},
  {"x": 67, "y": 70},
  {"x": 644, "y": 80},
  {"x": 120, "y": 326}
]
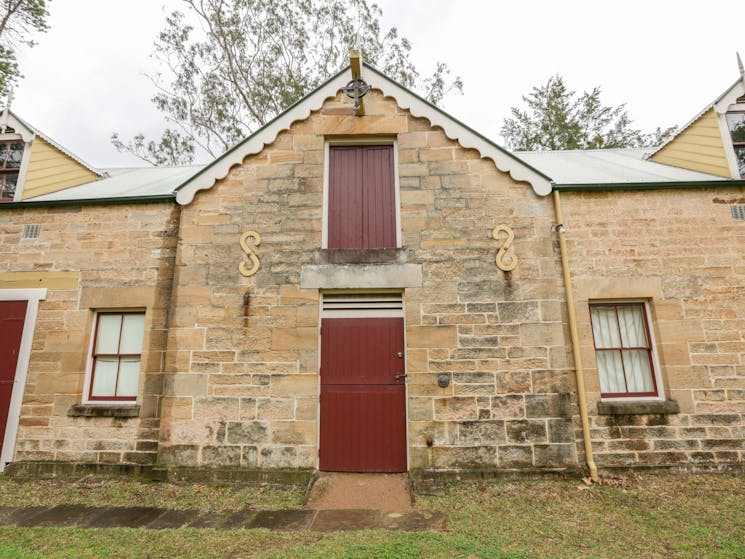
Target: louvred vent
[{"x": 362, "y": 301}]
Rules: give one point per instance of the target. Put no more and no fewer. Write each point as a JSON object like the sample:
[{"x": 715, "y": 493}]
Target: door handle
[{"x": 399, "y": 376}]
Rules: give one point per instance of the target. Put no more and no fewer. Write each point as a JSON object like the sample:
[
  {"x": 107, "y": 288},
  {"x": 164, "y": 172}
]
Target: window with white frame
[
  {"x": 11, "y": 154},
  {"x": 116, "y": 352},
  {"x": 623, "y": 348},
  {"x": 736, "y": 125}
]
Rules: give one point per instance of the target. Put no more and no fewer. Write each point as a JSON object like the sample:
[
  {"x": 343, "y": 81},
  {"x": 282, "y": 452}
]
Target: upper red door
[
  {"x": 363, "y": 399},
  {"x": 362, "y": 194},
  {"x": 12, "y": 316}
]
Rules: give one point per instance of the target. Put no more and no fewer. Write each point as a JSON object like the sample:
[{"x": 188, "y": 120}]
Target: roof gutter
[
  {"x": 592, "y": 187},
  {"x": 91, "y": 201}
]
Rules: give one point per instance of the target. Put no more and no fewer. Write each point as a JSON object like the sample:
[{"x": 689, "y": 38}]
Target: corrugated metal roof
[
  {"x": 599, "y": 166},
  {"x": 607, "y": 166},
  {"x": 126, "y": 182}
]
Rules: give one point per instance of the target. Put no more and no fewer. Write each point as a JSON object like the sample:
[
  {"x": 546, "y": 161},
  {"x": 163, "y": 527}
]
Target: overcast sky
[{"x": 666, "y": 60}]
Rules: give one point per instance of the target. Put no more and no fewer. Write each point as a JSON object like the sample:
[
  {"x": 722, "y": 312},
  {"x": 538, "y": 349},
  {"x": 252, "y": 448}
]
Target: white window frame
[
  {"x": 89, "y": 361},
  {"x": 729, "y": 147},
  {"x": 364, "y": 141},
  {"x": 32, "y": 298},
  {"x": 25, "y": 158},
  {"x": 657, "y": 373}
]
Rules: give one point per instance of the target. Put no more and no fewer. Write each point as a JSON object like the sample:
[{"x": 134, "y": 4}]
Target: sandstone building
[{"x": 377, "y": 288}]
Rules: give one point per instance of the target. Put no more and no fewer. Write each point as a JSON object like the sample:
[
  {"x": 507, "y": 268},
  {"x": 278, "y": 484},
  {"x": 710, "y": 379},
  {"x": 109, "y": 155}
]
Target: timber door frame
[
  {"x": 32, "y": 298},
  {"x": 367, "y": 313},
  {"x": 361, "y": 142}
]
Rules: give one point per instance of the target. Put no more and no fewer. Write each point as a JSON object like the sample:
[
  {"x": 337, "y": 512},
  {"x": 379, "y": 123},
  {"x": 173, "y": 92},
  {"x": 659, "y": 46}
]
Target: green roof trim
[
  {"x": 90, "y": 202},
  {"x": 448, "y": 115},
  {"x": 257, "y": 132},
  {"x": 648, "y": 185}
]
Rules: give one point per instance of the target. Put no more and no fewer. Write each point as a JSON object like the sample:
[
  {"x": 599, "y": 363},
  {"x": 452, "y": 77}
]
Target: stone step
[{"x": 328, "y": 520}]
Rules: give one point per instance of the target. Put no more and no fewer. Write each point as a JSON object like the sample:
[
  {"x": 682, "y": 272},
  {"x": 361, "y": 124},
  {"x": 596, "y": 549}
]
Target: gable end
[{"x": 418, "y": 107}]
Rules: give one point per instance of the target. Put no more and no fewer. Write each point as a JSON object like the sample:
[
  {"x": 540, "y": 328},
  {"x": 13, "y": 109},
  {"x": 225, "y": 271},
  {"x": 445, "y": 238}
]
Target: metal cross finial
[{"x": 357, "y": 88}]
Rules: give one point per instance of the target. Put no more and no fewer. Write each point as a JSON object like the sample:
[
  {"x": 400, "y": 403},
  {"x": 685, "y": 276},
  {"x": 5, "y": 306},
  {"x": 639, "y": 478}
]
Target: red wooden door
[
  {"x": 12, "y": 316},
  {"x": 363, "y": 403},
  {"x": 362, "y": 207}
]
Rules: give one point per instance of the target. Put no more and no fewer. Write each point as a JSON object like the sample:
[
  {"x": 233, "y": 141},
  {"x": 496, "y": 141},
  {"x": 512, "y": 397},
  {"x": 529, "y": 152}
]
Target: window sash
[
  {"x": 116, "y": 356},
  {"x": 8, "y": 184},
  {"x": 623, "y": 350},
  {"x": 11, "y": 155},
  {"x": 736, "y": 127}
]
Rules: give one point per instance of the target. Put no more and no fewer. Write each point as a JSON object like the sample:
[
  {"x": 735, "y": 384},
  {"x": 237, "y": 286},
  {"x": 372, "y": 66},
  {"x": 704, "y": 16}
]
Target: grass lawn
[{"x": 658, "y": 516}]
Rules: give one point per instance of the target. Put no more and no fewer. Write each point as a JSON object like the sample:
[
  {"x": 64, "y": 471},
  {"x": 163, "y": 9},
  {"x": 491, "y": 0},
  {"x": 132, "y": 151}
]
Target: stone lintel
[
  {"x": 50, "y": 280},
  {"x": 360, "y": 276},
  {"x": 638, "y": 408},
  {"x": 82, "y": 410}
]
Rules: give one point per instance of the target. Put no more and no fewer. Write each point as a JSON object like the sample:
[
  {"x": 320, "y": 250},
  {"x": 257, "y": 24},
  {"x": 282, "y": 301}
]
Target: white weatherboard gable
[
  {"x": 454, "y": 130},
  {"x": 730, "y": 97},
  {"x": 28, "y": 133},
  {"x": 720, "y": 106}
]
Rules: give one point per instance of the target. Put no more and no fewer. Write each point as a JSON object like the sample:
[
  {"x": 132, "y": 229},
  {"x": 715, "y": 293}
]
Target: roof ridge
[{"x": 579, "y": 150}]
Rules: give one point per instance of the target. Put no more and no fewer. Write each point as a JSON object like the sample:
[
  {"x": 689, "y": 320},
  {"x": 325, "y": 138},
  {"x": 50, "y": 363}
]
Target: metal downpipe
[{"x": 578, "y": 370}]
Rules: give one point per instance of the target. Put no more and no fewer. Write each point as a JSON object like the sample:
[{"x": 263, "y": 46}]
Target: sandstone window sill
[
  {"x": 663, "y": 407},
  {"x": 85, "y": 410},
  {"x": 361, "y": 256}
]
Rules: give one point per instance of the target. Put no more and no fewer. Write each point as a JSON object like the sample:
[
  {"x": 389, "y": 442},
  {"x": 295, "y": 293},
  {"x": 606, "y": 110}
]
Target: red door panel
[
  {"x": 362, "y": 200},
  {"x": 363, "y": 428},
  {"x": 363, "y": 404},
  {"x": 362, "y": 350},
  {"x": 12, "y": 316}
]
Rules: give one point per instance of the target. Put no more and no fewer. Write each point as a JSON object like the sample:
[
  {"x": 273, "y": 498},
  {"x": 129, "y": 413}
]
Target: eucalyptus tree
[
  {"x": 227, "y": 67},
  {"x": 19, "y": 19}
]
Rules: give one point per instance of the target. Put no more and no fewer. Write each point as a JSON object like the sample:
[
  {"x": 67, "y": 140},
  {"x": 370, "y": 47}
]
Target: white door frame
[
  {"x": 371, "y": 313},
  {"x": 32, "y": 298}
]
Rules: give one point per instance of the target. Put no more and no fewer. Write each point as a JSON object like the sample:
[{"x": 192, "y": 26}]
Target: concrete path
[
  {"x": 156, "y": 519},
  {"x": 384, "y": 492}
]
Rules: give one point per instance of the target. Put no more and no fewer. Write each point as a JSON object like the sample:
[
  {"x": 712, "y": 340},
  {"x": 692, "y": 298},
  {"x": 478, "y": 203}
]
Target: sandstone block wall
[
  {"x": 225, "y": 384},
  {"x": 681, "y": 252},
  {"x": 244, "y": 392},
  {"x": 498, "y": 335},
  {"x": 121, "y": 257}
]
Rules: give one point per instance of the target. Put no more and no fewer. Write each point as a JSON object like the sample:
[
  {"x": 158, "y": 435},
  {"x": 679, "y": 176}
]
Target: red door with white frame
[
  {"x": 12, "y": 316},
  {"x": 363, "y": 395}
]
